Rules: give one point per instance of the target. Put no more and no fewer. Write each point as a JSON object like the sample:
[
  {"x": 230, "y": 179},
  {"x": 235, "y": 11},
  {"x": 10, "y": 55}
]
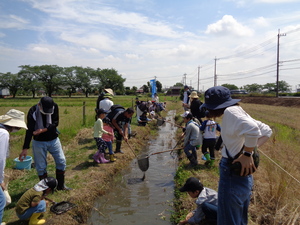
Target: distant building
[
  {"x": 140, "y": 91},
  {"x": 4, "y": 92},
  {"x": 174, "y": 91}
]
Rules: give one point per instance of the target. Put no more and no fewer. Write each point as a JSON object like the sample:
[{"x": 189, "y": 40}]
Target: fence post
[{"x": 83, "y": 113}]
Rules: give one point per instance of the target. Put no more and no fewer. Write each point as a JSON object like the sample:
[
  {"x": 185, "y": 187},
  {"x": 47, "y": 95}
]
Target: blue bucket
[{"x": 25, "y": 165}]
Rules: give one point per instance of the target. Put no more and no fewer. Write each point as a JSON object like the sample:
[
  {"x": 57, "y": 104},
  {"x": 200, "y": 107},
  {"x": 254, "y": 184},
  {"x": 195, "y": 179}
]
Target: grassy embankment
[
  {"x": 87, "y": 179},
  {"x": 276, "y": 194}
]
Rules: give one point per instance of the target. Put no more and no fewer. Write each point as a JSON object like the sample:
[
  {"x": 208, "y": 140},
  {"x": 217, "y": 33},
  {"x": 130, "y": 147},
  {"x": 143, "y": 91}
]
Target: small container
[{"x": 25, "y": 164}]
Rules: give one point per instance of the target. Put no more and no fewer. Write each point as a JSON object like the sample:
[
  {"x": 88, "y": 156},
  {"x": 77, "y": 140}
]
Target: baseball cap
[
  {"x": 51, "y": 182},
  {"x": 192, "y": 184},
  {"x": 47, "y": 105},
  {"x": 101, "y": 111},
  {"x": 187, "y": 114}
]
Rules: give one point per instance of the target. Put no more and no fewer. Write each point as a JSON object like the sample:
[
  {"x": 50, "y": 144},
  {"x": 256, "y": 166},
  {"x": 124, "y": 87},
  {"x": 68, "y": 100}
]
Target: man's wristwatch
[{"x": 248, "y": 154}]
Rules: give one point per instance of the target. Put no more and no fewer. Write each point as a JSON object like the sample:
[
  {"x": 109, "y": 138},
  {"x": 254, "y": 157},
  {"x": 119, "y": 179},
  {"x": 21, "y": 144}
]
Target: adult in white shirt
[
  {"x": 12, "y": 121},
  {"x": 241, "y": 134},
  {"x": 106, "y": 103}
]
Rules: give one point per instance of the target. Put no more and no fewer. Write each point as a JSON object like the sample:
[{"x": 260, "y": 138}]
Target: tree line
[{"x": 52, "y": 79}]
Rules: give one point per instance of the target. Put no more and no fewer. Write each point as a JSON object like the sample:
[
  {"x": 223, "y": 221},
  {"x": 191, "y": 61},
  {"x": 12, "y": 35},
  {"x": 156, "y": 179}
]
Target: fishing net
[
  {"x": 160, "y": 121},
  {"x": 62, "y": 207},
  {"x": 143, "y": 162}
]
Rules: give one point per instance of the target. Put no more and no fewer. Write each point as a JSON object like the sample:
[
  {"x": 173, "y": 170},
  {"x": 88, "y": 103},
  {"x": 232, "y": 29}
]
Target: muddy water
[{"x": 148, "y": 202}]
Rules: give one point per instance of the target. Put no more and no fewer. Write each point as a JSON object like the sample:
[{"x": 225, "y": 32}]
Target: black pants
[{"x": 210, "y": 145}]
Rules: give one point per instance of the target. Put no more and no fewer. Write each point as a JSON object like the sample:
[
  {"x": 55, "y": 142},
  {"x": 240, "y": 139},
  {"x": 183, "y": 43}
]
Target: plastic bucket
[{"x": 25, "y": 164}]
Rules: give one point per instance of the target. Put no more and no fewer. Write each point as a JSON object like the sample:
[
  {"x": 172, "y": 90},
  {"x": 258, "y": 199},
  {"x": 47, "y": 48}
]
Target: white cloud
[
  {"x": 260, "y": 22},
  {"x": 41, "y": 49},
  {"x": 228, "y": 25},
  {"x": 13, "y": 21}
]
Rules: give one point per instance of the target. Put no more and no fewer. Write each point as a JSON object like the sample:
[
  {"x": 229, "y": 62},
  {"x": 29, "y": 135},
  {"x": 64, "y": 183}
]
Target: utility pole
[
  {"x": 198, "y": 78},
  {"x": 277, "y": 71},
  {"x": 184, "y": 79},
  {"x": 215, "y": 75}
]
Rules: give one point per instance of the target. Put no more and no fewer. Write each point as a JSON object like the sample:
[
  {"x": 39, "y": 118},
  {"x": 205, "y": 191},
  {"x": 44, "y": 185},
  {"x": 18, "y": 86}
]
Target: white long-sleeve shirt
[
  {"x": 4, "y": 151},
  {"x": 239, "y": 128}
]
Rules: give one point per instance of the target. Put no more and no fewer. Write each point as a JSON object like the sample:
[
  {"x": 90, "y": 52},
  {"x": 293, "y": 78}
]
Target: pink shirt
[{"x": 107, "y": 137}]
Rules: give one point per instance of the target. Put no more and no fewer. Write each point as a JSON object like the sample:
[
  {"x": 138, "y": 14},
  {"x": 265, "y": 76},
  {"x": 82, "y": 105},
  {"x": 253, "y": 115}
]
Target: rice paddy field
[{"x": 276, "y": 191}]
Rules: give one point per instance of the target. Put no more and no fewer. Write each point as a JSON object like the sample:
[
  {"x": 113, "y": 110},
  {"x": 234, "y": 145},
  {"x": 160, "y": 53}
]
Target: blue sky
[{"x": 144, "y": 39}]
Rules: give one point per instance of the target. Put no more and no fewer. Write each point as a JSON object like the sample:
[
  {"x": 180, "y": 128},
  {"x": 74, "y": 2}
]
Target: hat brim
[
  {"x": 15, "y": 123},
  {"x": 110, "y": 91},
  {"x": 183, "y": 189},
  {"x": 196, "y": 96},
  {"x": 219, "y": 106}
]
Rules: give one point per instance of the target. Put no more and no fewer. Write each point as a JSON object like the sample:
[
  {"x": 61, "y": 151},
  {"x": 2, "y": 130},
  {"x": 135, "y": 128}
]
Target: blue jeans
[
  {"x": 109, "y": 147},
  {"x": 189, "y": 148},
  {"x": 234, "y": 194},
  {"x": 2, "y": 203},
  {"x": 41, "y": 207},
  {"x": 40, "y": 149},
  {"x": 210, "y": 211}
]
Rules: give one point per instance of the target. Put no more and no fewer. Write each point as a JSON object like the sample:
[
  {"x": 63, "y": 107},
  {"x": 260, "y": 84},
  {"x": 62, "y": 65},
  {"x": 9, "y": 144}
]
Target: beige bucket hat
[
  {"x": 14, "y": 118},
  {"x": 109, "y": 90},
  {"x": 194, "y": 94}
]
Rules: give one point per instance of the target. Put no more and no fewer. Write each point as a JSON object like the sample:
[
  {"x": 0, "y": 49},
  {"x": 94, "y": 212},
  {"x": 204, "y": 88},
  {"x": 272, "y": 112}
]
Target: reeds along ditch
[{"x": 275, "y": 197}]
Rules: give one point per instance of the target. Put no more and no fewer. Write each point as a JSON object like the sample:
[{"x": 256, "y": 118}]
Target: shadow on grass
[
  {"x": 83, "y": 141},
  {"x": 18, "y": 222},
  {"x": 85, "y": 165}
]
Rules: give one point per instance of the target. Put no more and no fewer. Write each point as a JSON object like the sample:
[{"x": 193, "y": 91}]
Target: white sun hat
[{"x": 14, "y": 118}]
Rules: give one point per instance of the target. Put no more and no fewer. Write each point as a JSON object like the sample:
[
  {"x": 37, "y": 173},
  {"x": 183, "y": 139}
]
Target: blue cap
[{"x": 218, "y": 97}]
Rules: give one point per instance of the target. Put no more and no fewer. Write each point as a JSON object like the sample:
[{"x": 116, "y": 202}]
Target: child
[
  {"x": 108, "y": 138},
  {"x": 143, "y": 119},
  {"x": 209, "y": 127},
  {"x": 32, "y": 205},
  {"x": 98, "y": 131},
  {"x": 206, "y": 203}
]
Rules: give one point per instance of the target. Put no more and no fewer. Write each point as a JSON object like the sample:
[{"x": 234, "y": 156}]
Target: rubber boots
[
  {"x": 193, "y": 161},
  {"x": 208, "y": 160},
  {"x": 96, "y": 157},
  {"x": 60, "y": 177},
  {"x": 118, "y": 146},
  {"x": 34, "y": 219},
  {"x": 112, "y": 158},
  {"x": 43, "y": 176},
  {"x": 102, "y": 158}
]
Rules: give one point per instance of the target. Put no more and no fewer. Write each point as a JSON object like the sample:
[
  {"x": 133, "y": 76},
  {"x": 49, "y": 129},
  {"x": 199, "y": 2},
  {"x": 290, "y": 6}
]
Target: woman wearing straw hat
[
  {"x": 194, "y": 106},
  {"x": 12, "y": 121}
]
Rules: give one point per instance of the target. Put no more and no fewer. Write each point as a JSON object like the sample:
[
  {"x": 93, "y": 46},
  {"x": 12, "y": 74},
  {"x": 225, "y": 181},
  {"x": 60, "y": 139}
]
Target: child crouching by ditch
[
  {"x": 98, "y": 131},
  {"x": 32, "y": 205},
  {"x": 108, "y": 138},
  {"x": 206, "y": 201}
]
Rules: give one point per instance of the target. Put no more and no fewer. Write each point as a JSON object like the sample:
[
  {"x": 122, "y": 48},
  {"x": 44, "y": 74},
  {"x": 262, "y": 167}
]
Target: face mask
[{"x": 41, "y": 110}]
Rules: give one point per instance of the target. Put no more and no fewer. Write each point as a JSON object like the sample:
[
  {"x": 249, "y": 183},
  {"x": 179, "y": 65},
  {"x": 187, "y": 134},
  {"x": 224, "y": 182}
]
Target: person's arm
[
  {"x": 115, "y": 124},
  {"x": 4, "y": 146},
  {"x": 125, "y": 132}
]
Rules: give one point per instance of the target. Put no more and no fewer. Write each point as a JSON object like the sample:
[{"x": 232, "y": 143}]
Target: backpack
[{"x": 113, "y": 110}]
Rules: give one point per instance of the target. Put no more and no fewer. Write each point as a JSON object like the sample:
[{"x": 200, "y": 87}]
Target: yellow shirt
[{"x": 98, "y": 128}]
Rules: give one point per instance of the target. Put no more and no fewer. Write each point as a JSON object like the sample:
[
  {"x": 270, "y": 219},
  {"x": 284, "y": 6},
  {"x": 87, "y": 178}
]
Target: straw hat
[
  {"x": 194, "y": 94},
  {"x": 107, "y": 95},
  {"x": 14, "y": 118},
  {"x": 109, "y": 90}
]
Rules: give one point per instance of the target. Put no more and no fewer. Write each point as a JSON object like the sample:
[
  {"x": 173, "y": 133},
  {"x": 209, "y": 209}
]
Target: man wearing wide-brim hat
[{"x": 12, "y": 121}]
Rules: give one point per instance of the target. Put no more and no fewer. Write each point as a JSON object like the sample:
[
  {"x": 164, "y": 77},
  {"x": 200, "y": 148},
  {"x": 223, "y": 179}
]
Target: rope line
[{"x": 280, "y": 166}]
